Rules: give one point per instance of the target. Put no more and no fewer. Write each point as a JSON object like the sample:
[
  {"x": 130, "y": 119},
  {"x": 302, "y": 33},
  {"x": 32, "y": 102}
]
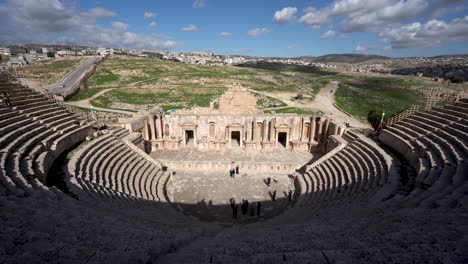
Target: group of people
[
  {"x": 6, "y": 99},
  {"x": 244, "y": 208},
  {"x": 234, "y": 171}
]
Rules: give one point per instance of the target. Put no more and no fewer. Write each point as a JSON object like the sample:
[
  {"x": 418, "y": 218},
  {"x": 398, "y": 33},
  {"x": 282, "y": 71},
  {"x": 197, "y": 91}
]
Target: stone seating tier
[
  {"x": 25, "y": 127},
  {"x": 109, "y": 163},
  {"x": 437, "y": 148}
]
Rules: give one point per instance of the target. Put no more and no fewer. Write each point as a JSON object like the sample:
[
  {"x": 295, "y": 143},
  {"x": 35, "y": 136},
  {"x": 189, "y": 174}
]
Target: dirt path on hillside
[
  {"x": 324, "y": 102},
  {"x": 87, "y": 101}
]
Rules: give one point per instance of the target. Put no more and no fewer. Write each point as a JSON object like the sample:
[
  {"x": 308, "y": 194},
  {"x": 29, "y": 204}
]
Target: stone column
[
  {"x": 272, "y": 131},
  {"x": 153, "y": 129},
  {"x": 265, "y": 130},
  {"x": 246, "y": 131},
  {"x": 312, "y": 129},
  {"x": 319, "y": 132},
  {"x": 159, "y": 126},
  {"x": 302, "y": 129},
  {"x": 254, "y": 128},
  {"x": 145, "y": 131},
  {"x": 325, "y": 130}
]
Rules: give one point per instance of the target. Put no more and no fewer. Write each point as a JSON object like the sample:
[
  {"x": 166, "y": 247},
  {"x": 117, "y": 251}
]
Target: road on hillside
[{"x": 71, "y": 79}]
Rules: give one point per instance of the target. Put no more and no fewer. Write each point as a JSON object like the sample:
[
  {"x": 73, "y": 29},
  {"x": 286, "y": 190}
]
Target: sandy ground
[{"x": 206, "y": 195}]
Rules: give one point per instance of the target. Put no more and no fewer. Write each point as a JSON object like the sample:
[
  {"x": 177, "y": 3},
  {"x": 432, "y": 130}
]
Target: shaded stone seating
[
  {"x": 360, "y": 171},
  {"x": 108, "y": 165},
  {"x": 436, "y": 146},
  {"x": 21, "y": 139}
]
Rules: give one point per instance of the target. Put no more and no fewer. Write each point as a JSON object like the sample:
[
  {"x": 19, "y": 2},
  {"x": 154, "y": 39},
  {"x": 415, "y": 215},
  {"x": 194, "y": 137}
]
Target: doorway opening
[
  {"x": 282, "y": 138},
  {"x": 235, "y": 139},
  {"x": 189, "y": 138}
]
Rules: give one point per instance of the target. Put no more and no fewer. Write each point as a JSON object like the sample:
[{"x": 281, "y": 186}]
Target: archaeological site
[{"x": 229, "y": 183}]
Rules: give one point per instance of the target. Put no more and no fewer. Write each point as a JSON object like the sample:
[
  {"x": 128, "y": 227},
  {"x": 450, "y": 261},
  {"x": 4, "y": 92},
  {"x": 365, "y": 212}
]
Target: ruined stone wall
[
  {"x": 261, "y": 132},
  {"x": 238, "y": 101}
]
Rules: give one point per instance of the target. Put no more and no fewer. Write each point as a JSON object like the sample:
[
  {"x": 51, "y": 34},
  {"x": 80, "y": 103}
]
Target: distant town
[{"x": 450, "y": 68}]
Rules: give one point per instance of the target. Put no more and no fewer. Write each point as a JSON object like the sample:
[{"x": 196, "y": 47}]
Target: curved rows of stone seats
[
  {"x": 435, "y": 143},
  {"x": 359, "y": 170},
  {"x": 33, "y": 133},
  {"x": 108, "y": 167}
]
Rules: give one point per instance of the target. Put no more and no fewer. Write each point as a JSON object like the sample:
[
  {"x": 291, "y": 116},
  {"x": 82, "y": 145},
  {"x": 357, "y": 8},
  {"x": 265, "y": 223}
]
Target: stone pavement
[
  {"x": 206, "y": 195},
  {"x": 279, "y": 156}
]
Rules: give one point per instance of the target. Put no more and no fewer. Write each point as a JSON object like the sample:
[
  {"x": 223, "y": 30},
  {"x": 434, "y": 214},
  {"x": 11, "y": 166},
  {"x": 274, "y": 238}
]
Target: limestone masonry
[{"x": 237, "y": 124}]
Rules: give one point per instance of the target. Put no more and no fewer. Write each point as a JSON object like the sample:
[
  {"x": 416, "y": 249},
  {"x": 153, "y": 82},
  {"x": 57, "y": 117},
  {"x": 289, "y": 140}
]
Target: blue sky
[{"x": 278, "y": 28}]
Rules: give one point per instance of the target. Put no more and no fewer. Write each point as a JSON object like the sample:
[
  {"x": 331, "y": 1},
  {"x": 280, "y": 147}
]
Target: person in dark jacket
[
  {"x": 234, "y": 211},
  {"x": 6, "y": 99}
]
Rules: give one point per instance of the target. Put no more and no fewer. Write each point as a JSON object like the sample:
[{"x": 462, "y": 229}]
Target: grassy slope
[
  {"x": 390, "y": 95},
  {"x": 49, "y": 72},
  {"x": 172, "y": 85}
]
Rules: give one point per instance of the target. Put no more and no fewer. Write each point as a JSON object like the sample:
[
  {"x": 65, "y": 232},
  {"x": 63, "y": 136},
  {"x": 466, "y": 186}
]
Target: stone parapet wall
[{"x": 225, "y": 166}]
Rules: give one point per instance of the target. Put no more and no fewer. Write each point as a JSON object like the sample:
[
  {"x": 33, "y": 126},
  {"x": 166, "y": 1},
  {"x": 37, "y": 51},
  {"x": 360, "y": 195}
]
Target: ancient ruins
[
  {"x": 236, "y": 124},
  {"x": 161, "y": 187}
]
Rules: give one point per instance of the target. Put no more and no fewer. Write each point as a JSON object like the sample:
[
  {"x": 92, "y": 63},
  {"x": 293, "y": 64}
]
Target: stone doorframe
[
  {"x": 235, "y": 127},
  {"x": 279, "y": 129},
  {"x": 192, "y": 127}
]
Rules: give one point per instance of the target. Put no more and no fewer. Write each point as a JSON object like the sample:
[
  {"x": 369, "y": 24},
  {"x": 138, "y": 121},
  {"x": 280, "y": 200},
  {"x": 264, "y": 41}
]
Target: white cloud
[
  {"x": 190, "y": 28},
  {"x": 153, "y": 24},
  {"x": 313, "y": 27},
  {"x": 328, "y": 34},
  {"x": 284, "y": 15},
  {"x": 100, "y": 13},
  {"x": 198, "y": 4},
  {"x": 387, "y": 48},
  {"x": 359, "y": 48},
  {"x": 431, "y": 34},
  {"x": 51, "y": 22},
  {"x": 245, "y": 50},
  {"x": 225, "y": 34},
  {"x": 365, "y": 15},
  {"x": 119, "y": 26},
  {"x": 343, "y": 36},
  {"x": 309, "y": 9},
  {"x": 148, "y": 15},
  {"x": 258, "y": 31},
  {"x": 293, "y": 47}
]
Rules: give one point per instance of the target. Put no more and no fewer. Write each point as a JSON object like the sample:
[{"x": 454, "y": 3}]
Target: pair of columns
[{"x": 155, "y": 127}]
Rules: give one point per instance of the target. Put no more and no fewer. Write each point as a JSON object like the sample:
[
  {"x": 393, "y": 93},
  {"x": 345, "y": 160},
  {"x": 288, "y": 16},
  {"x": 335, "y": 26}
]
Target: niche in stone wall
[
  {"x": 212, "y": 129},
  {"x": 259, "y": 131},
  {"x": 166, "y": 130},
  {"x": 306, "y": 132}
]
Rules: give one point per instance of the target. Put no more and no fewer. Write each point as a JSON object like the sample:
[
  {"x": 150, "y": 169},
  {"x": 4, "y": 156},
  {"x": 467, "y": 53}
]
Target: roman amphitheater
[{"x": 156, "y": 187}]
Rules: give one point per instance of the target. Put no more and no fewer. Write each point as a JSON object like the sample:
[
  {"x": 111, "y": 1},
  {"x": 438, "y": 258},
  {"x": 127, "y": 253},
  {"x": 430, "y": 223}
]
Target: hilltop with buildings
[{"x": 452, "y": 68}]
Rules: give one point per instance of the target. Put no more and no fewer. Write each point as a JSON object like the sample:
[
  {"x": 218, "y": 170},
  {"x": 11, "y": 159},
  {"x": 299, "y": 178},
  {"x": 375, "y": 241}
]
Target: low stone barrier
[{"x": 226, "y": 166}]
